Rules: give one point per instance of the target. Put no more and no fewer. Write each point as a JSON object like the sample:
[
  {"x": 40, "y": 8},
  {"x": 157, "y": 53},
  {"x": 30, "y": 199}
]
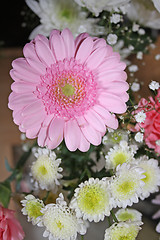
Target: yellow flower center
[
  {"x": 119, "y": 158},
  {"x": 125, "y": 189},
  {"x": 125, "y": 216},
  {"x": 59, "y": 225},
  {"x": 42, "y": 170},
  {"x": 33, "y": 209},
  {"x": 68, "y": 90}
]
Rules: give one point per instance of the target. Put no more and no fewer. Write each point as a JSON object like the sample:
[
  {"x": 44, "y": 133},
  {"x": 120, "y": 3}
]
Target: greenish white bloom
[
  {"x": 129, "y": 214},
  {"x": 152, "y": 176},
  {"x": 61, "y": 222},
  {"x": 126, "y": 186},
  {"x": 98, "y": 6},
  {"x": 119, "y": 154},
  {"x": 60, "y": 14},
  {"x": 45, "y": 169},
  {"x": 145, "y": 12},
  {"x": 32, "y": 208},
  {"x": 92, "y": 200},
  {"x": 122, "y": 231}
]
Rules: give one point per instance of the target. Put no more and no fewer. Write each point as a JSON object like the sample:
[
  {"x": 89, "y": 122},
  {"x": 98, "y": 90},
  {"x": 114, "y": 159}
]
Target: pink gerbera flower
[{"x": 66, "y": 88}]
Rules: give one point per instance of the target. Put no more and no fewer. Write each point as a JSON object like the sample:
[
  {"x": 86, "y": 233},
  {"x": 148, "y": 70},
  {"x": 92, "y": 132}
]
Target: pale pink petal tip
[{"x": 66, "y": 88}]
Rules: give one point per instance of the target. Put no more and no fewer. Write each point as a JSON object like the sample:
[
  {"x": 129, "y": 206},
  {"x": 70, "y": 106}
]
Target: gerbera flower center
[{"x": 68, "y": 89}]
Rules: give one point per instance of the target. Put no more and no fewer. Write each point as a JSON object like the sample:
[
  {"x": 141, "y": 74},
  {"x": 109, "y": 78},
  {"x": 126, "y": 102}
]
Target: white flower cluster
[{"x": 45, "y": 170}]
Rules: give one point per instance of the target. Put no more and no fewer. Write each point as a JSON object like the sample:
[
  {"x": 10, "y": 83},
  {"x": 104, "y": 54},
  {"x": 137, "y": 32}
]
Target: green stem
[
  {"x": 47, "y": 194},
  {"x": 109, "y": 221},
  {"x": 82, "y": 237},
  {"x": 114, "y": 216}
]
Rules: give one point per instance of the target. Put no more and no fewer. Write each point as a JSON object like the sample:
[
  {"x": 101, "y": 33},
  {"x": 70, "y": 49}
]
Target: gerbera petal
[
  {"x": 93, "y": 136},
  {"x": 37, "y": 65},
  {"x": 33, "y": 108},
  {"x": 33, "y": 132},
  {"x": 23, "y": 87},
  {"x": 117, "y": 87},
  {"x": 92, "y": 62},
  {"x": 58, "y": 46},
  {"x": 69, "y": 42},
  {"x": 33, "y": 121},
  {"x": 42, "y": 136},
  {"x": 80, "y": 38},
  {"x": 84, "y": 49},
  {"x": 44, "y": 53},
  {"x": 112, "y": 76},
  {"x": 95, "y": 120},
  {"x": 84, "y": 144},
  {"x": 28, "y": 77},
  {"x": 99, "y": 43},
  {"x": 112, "y": 102},
  {"x": 20, "y": 100},
  {"x": 29, "y": 51},
  {"x": 72, "y": 135},
  {"x": 55, "y": 132}
]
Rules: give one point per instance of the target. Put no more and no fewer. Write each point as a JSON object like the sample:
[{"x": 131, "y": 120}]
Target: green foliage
[{"x": 5, "y": 193}]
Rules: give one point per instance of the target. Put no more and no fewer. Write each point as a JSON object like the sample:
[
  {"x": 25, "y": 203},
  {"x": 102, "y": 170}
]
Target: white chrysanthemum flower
[
  {"x": 156, "y": 4},
  {"x": 154, "y": 85},
  {"x": 112, "y": 39},
  {"x": 145, "y": 12},
  {"x": 60, "y": 14},
  {"x": 126, "y": 185},
  {"x": 114, "y": 137},
  {"x": 92, "y": 200},
  {"x": 32, "y": 208},
  {"x": 119, "y": 154},
  {"x": 98, "y": 6},
  {"x": 61, "y": 222},
  {"x": 45, "y": 169},
  {"x": 138, "y": 137},
  {"x": 140, "y": 117},
  {"x": 152, "y": 173},
  {"x": 129, "y": 214},
  {"x": 122, "y": 230}
]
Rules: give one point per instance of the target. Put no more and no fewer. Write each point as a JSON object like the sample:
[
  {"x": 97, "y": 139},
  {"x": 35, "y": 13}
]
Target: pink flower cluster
[
  {"x": 10, "y": 228},
  {"x": 151, "y": 125},
  {"x": 68, "y": 89}
]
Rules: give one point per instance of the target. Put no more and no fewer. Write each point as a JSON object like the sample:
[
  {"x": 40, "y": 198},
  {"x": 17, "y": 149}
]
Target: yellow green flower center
[
  {"x": 147, "y": 178},
  {"x": 123, "y": 233},
  {"x": 92, "y": 199},
  {"x": 68, "y": 90},
  {"x": 33, "y": 209},
  {"x": 119, "y": 158},
  {"x": 125, "y": 189},
  {"x": 116, "y": 137},
  {"x": 59, "y": 225},
  {"x": 42, "y": 170},
  {"x": 125, "y": 216}
]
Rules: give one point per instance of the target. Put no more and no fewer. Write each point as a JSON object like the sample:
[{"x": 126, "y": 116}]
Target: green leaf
[
  {"x": 5, "y": 193},
  {"x": 9, "y": 169}
]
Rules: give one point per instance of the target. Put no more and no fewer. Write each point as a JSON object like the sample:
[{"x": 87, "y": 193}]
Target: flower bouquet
[{"x": 96, "y": 145}]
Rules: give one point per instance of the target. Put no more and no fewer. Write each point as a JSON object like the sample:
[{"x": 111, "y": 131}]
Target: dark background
[{"x": 14, "y": 14}]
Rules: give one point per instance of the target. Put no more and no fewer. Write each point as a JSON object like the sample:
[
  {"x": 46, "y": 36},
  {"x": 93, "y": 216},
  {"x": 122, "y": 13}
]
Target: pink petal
[
  {"x": 112, "y": 76},
  {"x": 34, "y": 108},
  {"x": 109, "y": 119},
  {"x": 42, "y": 136},
  {"x": 112, "y": 102},
  {"x": 84, "y": 49},
  {"x": 81, "y": 37},
  {"x": 33, "y": 121},
  {"x": 44, "y": 53},
  {"x": 21, "y": 65},
  {"x": 58, "y": 46},
  {"x": 29, "y": 77},
  {"x": 84, "y": 145},
  {"x": 37, "y": 65},
  {"x": 116, "y": 87},
  {"x": 72, "y": 135},
  {"x": 55, "y": 132},
  {"x": 23, "y": 87},
  {"x": 93, "y": 136},
  {"x": 17, "y": 117},
  {"x": 29, "y": 51},
  {"x": 124, "y": 96},
  {"x": 20, "y": 100},
  {"x": 69, "y": 42},
  {"x": 95, "y": 120},
  {"x": 99, "y": 43},
  {"x": 42, "y": 38},
  {"x": 33, "y": 132},
  {"x": 96, "y": 58}
]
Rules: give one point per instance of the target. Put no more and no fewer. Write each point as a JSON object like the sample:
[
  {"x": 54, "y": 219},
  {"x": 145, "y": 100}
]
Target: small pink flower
[
  {"x": 151, "y": 124},
  {"x": 10, "y": 228},
  {"x": 66, "y": 88}
]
